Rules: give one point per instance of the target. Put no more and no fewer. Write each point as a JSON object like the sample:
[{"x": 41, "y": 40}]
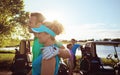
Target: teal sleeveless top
[
  {"x": 37, "y": 57},
  {"x": 36, "y": 65}
]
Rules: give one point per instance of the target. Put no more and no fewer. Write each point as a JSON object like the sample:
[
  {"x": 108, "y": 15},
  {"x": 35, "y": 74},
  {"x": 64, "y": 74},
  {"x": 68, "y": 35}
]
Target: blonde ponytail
[{"x": 55, "y": 26}]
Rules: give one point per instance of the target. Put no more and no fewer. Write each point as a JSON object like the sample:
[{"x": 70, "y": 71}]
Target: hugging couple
[{"x": 46, "y": 50}]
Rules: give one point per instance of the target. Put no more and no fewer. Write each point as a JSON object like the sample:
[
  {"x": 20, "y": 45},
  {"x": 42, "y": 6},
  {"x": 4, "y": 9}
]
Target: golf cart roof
[{"x": 104, "y": 42}]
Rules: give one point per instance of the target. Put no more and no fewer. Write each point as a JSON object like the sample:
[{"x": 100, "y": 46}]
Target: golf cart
[{"x": 100, "y": 58}]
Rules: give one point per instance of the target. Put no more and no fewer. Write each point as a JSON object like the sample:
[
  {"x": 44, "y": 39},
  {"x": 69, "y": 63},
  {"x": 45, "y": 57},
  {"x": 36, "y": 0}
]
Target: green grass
[
  {"x": 6, "y": 56},
  {"x": 108, "y": 62}
]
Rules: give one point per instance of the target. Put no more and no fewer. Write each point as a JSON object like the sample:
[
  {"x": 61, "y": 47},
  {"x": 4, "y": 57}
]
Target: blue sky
[{"x": 82, "y": 19}]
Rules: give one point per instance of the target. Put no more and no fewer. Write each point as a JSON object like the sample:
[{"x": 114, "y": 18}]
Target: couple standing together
[{"x": 46, "y": 50}]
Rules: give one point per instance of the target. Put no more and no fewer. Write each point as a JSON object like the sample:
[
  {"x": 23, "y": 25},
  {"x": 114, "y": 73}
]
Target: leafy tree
[
  {"x": 106, "y": 39},
  {"x": 116, "y": 40},
  {"x": 12, "y": 16}
]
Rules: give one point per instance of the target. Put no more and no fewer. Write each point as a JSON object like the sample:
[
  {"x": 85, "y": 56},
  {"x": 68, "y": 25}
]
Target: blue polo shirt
[{"x": 74, "y": 48}]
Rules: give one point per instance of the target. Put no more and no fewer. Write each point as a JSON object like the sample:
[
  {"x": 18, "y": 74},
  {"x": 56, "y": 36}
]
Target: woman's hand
[{"x": 49, "y": 52}]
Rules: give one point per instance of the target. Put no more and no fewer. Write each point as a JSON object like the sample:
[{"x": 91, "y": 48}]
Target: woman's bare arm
[{"x": 64, "y": 53}]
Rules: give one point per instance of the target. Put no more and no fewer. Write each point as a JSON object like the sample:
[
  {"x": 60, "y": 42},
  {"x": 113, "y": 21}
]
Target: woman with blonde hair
[{"x": 47, "y": 63}]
